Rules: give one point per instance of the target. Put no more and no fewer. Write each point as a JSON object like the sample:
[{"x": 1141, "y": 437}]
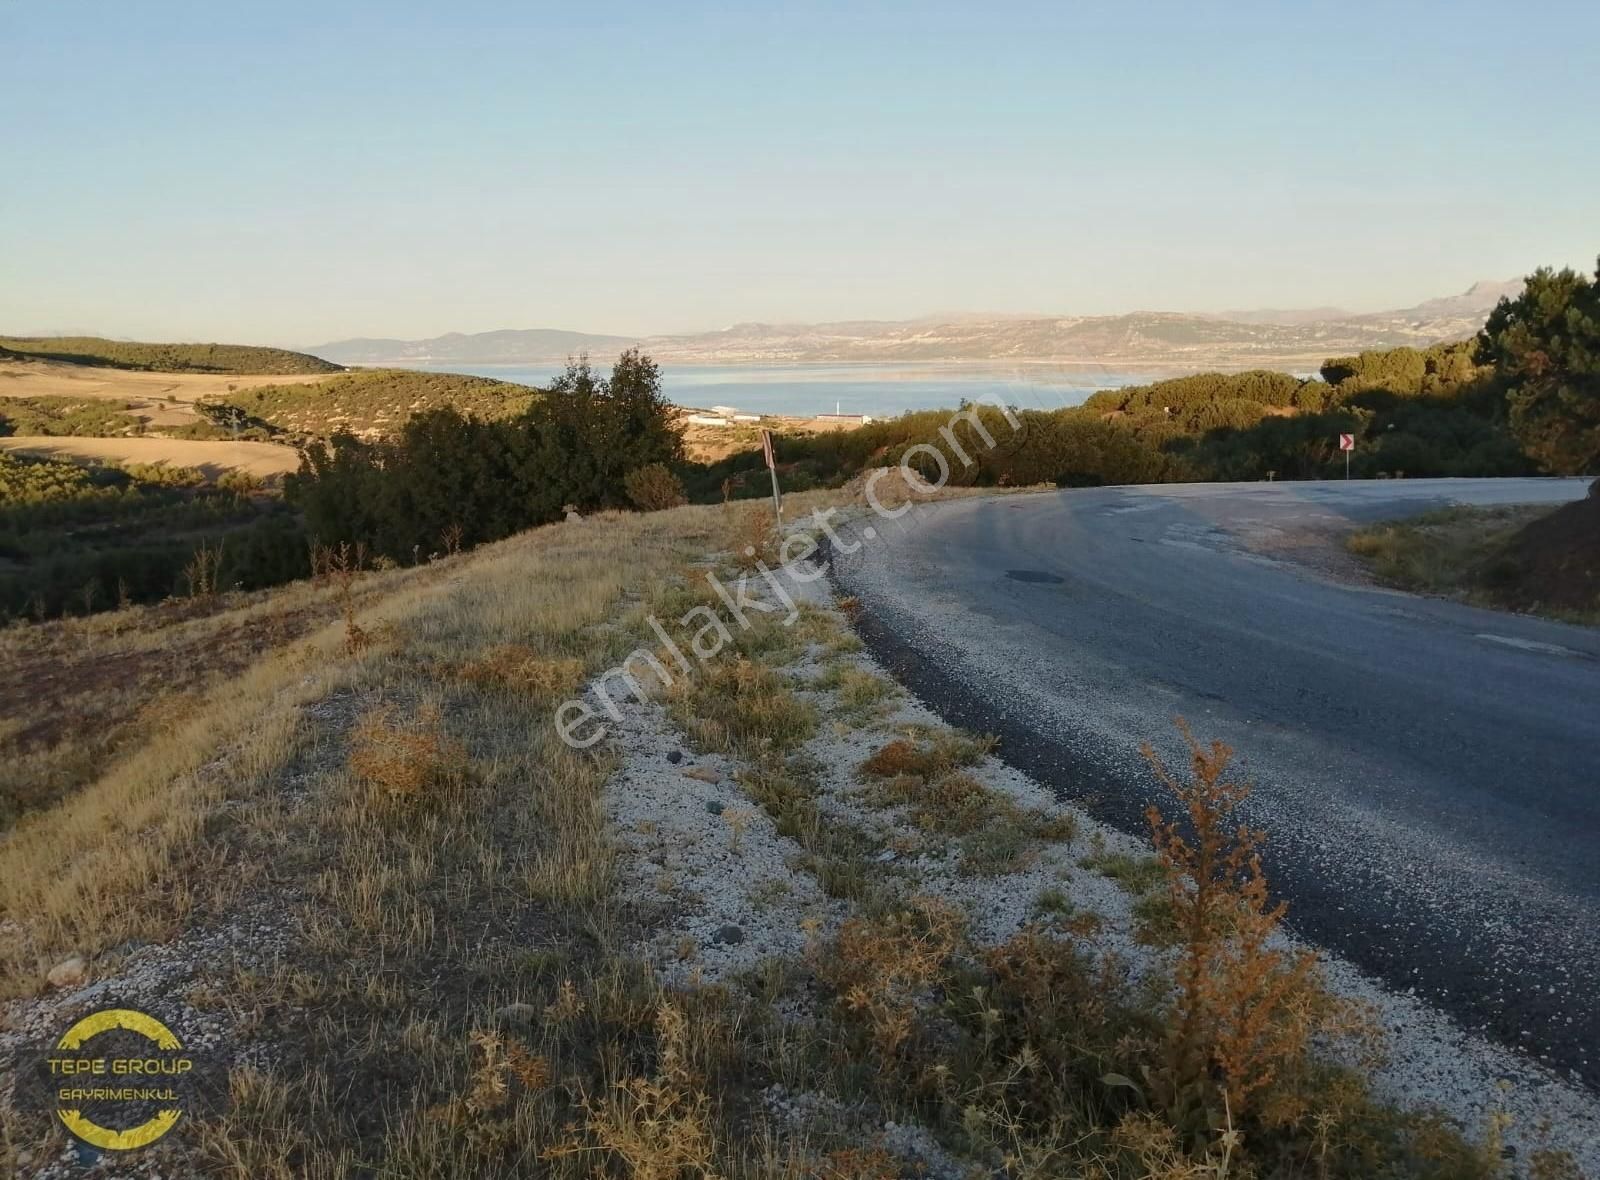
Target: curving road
[{"x": 1428, "y": 773}]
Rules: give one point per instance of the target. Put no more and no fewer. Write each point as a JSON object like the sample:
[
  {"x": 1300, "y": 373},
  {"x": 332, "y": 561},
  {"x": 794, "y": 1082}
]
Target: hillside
[
  {"x": 164, "y": 358},
  {"x": 1532, "y": 558},
  {"x": 57, "y": 398},
  {"x": 90, "y": 524},
  {"x": 212, "y": 458},
  {"x": 375, "y": 402},
  {"x": 1246, "y": 338}
]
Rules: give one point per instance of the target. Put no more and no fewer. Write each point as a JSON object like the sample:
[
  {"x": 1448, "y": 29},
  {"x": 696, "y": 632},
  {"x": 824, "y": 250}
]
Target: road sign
[{"x": 1347, "y": 443}]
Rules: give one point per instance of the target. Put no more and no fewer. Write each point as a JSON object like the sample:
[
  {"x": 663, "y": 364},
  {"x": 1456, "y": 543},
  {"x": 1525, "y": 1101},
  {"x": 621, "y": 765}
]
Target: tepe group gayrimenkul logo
[{"x": 120, "y": 1079}]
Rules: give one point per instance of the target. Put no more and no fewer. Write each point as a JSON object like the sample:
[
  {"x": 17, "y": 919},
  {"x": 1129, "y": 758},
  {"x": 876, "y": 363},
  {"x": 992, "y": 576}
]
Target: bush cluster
[
  {"x": 59, "y": 416},
  {"x": 476, "y": 480},
  {"x": 78, "y": 539}
]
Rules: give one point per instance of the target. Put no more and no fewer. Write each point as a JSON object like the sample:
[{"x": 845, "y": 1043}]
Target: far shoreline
[{"x": 1165, "y": 368}]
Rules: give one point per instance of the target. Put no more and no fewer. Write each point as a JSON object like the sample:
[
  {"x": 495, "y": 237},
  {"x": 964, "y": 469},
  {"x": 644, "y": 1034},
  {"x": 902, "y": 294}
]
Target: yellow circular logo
[{"x": 119, "y": 1082}]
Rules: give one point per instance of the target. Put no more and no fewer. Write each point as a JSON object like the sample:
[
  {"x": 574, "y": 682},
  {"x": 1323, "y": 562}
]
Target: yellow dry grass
[
  {"x": 84, "y": 691},
  {"x": 57, "y": 379},
  {"x": 119, "y": 858},
  {"x": 261, "y": 459}
]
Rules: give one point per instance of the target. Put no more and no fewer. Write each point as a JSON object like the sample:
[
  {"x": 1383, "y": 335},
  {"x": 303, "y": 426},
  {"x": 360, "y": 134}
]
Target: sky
[{"x": 293, "y": 173}]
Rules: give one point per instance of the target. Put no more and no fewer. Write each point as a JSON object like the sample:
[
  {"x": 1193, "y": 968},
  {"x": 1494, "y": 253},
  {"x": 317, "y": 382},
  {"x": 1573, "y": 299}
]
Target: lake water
[{"x": 882, "y": 390}]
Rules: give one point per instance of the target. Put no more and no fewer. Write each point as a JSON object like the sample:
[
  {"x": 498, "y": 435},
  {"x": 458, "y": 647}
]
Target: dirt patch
[
  {"x": 85, "y": 691},
  {"x": 1554, "y": 562}
]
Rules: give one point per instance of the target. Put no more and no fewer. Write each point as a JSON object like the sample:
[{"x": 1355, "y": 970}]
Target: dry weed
[
  {"x": 882, "y": 968},
  {"x": 410, "y": 763},
  {"x": 754, "y": 537},
  {"x": 859, "y": 1163},
  {"x": 860, "y": 694},
  {"x": 741, "y": 706},
  {"x": 502, "y": 1061},
  {"x": 1245, "y": 1010},
  {"x": 520, "y": 668},
  {"x": 341, "y": 565},
  {"x": 936, "y": 753},
  {"x": 657, "y": 1128},
  {"x": 200, "y": 574}
]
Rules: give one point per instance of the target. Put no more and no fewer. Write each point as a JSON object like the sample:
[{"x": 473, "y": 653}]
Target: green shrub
[
  {"x": 654, "y": 487},
  {"x": 66, "y": 416}
]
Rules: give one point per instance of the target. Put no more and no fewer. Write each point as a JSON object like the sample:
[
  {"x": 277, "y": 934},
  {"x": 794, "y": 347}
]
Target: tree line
[
  {"x": 162, "y": 358},
  {"x": 470, "y": 479}
]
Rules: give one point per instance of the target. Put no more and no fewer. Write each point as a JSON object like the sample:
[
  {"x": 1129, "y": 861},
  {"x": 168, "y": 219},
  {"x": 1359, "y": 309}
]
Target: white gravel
[{"x": 702, "y": 857}]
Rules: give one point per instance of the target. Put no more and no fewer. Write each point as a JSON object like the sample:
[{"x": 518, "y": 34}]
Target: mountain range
[{"x": 1230, "y": 339}]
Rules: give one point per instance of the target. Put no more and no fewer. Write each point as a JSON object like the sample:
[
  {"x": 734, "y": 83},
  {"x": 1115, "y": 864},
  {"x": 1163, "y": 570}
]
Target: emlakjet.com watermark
[{"x": 704, "y": 633}]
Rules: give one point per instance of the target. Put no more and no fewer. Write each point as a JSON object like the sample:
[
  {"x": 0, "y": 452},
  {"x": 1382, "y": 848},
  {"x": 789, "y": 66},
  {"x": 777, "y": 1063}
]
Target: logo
[{"x": 120, "y": 1079}]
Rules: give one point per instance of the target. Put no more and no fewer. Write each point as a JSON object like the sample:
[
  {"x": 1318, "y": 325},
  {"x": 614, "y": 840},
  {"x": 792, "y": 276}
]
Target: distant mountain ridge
[
  {"x": 1232, "y": 339},
  {"x": 1474, "y": 304},
  {"x": 507, "y": 346}
]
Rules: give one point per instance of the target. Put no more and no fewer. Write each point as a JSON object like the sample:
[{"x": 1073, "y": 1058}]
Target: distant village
[{"x": 732, "y": 416}]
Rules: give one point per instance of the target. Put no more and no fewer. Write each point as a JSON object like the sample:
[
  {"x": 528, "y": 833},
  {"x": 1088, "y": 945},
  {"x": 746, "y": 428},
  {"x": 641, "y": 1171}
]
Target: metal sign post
[{"x": 772, "y": 466}]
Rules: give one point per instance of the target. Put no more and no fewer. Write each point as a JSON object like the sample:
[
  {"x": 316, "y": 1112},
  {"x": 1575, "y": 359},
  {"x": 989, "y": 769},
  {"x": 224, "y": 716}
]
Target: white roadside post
[
  {"x": 772, "y": 466},
  {"x": 1347, "y": 443}
]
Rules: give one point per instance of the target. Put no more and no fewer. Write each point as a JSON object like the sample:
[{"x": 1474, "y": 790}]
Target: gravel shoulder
[{"x": 682, "y": 863}]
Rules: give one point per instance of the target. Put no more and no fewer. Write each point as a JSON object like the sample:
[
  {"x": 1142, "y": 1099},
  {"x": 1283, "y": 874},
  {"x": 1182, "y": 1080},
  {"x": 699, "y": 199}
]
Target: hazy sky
[{"x": 295, "y": 172}]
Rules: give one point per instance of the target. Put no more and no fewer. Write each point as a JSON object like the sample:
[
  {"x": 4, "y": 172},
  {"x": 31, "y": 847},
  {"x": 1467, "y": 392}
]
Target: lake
[{"x": 882, "y": 390}]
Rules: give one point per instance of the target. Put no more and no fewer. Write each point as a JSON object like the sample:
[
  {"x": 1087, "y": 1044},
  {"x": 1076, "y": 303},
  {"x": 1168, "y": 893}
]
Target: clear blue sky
[{"x": 296, "y": 172}]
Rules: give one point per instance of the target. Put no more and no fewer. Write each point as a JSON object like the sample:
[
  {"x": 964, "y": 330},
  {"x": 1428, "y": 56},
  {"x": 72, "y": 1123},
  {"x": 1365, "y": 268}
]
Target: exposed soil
[
  {"x": 83, "y": 691},
  {"x": 1554, "y": 562}
]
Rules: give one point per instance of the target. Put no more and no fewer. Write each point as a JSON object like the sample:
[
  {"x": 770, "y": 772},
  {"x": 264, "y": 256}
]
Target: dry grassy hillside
[
  {"x": 157, "y": 405},
  {"x": 781, "y": 924},
  {"x": 211, "y": 458},
  {"x": 152, "y": 393},
  {"x": 367, "y": 402}
]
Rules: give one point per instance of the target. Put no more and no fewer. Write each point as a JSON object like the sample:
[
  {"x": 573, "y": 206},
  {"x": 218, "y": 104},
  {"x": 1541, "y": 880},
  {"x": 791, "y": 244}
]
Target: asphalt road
[{"x": 1428, "y": 773}]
